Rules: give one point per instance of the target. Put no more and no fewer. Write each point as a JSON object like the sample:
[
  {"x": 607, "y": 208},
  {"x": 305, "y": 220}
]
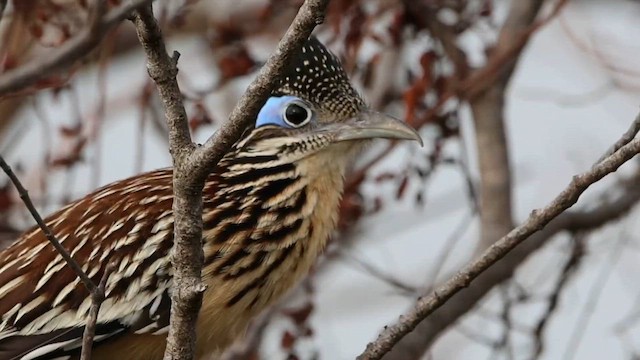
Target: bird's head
[{"x": 314, "y": 110}]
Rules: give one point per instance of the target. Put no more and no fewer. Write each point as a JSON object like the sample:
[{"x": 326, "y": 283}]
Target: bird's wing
[
  {"x": 67, "y": 342},
  {"x": 59, "y": 344},
  {"x": 44, "y": 306}
]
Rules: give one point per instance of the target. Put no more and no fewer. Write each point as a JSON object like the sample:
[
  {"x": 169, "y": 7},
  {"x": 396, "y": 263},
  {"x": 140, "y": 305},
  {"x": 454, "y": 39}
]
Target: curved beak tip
[
  {"x": 371, "y": 125},
  {"x": 417, "y": 138},
  {"x": 408, "y": 134}
]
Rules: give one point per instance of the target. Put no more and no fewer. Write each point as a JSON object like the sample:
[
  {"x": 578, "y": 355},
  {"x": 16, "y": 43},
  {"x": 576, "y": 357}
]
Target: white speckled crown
[{"x": 316, "y": 75}]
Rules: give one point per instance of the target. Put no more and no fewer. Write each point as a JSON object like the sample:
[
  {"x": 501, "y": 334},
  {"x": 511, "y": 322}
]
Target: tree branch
[
  {"x": 536, "y": 222},
  {"x": 192, "y": 164},
  {"x": 593, "y": 296},
  {"x": 570, "y": 268},
  {"x": 503, "y": 59},
  {"x": 97, "y": 298},
  {"x": 419, "y": 340},
  {"x": 487, "y": 106},
  {"x": 187, "y": 256},
  {"x": 76, "y": 48},
  {"x": 625, "y": 139}
]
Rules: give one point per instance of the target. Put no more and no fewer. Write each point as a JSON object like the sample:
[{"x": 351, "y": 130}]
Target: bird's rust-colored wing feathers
[{"x": 44, "y": 306}]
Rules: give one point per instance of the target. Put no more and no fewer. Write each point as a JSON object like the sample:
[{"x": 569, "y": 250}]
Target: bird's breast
[{"x": 260, "y": 241}]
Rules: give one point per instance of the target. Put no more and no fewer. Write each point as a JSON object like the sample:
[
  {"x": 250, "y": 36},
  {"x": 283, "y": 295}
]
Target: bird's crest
[{"x": 316, "y": 75}]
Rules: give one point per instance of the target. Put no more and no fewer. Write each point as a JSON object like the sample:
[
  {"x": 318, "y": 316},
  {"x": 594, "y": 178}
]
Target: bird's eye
[{"x": 297, "y": 114}]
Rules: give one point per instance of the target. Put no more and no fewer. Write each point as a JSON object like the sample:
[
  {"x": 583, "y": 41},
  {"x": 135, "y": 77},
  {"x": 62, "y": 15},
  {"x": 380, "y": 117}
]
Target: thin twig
[
  {"x": 451, "y": 242},
  {"x": 476, "y": 335},
  {"x": 597, "y": 288},
  {"x": 370, "y": 269},
  {"x": 536, "y": 221},
  {"x": 24, "y": 195},
  {"x": 569, "y": 269},
  {"x": 625, "y": 139},
  {"x": 97, "y": 298},
  {"x": 505, "y": 344},
  {"x": 68, "y": 53}
]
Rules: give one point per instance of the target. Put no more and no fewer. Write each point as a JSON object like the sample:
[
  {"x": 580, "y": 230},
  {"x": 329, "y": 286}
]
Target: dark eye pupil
[{"x": 296, "y": 114}]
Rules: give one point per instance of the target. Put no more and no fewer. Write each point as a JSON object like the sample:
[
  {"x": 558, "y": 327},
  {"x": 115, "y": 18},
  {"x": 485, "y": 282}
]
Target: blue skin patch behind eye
[{"x": 271, "y": 112}]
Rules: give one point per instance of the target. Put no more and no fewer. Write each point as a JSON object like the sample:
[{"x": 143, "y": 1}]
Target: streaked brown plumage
[{"x": 269, "y": 207}]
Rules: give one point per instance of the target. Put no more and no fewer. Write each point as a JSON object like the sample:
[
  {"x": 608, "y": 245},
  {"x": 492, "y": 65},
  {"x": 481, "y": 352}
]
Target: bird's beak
[{"x": 371, "y": 124}]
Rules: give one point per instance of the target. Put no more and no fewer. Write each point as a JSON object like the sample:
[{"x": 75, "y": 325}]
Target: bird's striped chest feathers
[{"x": 264, "y": 234}]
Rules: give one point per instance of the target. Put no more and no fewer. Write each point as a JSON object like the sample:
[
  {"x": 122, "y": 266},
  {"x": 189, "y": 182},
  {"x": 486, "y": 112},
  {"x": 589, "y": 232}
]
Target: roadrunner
[{"x": 269, "y": 207}]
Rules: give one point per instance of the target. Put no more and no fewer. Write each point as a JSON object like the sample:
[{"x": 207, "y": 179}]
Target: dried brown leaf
[
  {"x": 402, "y": 187},
  {"x": 299, "y": 315},
  {"x": 288, "y": 340}
]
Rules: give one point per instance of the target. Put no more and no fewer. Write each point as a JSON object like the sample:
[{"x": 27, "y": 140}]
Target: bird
[{"x": 269, "y": 207}]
